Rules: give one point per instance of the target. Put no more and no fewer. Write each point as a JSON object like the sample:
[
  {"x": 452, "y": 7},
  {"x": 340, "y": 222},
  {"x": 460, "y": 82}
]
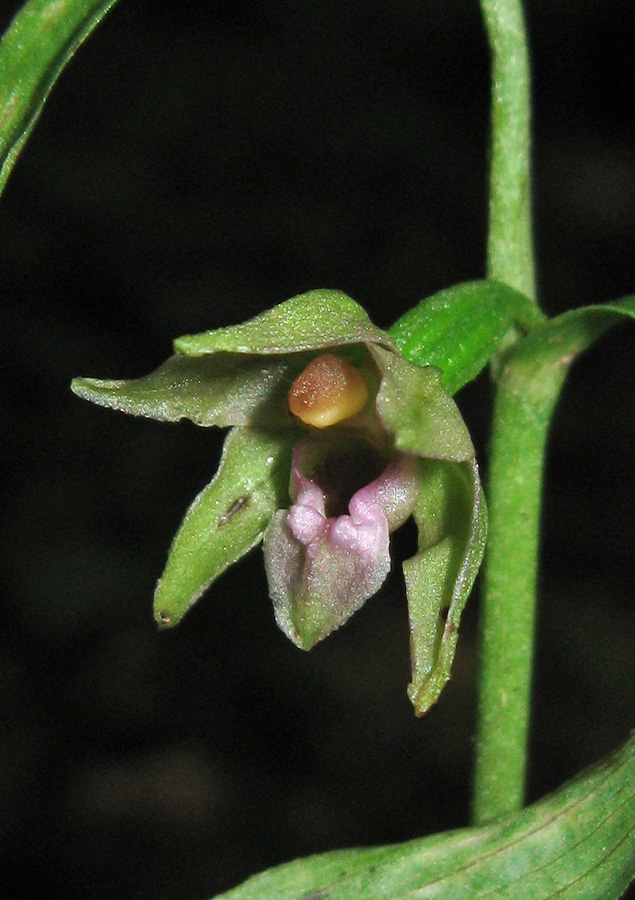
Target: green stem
[
  {"x": 510, "y": 248},
  {"x": 525, "y": 398},
  {"x": 519, "y": 430}
]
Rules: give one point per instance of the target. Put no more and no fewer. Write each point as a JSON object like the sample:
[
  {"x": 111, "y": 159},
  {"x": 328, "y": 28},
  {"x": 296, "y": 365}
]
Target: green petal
[
  {"x": 461, "y": 329},
  {"x": 418, "y": 411},
  {"x": 226, "y": 520},
  {"x": 452, "y": 523},
  {"x": 310, "y": 321},
  {"x": 222, "y": 390}
]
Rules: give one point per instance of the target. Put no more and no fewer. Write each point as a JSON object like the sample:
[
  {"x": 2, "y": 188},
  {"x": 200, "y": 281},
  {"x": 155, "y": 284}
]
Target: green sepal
[
  {"x": 450, "y": 514},
  {"x": 36, "y": 47},
  {"x": 224, "y": 389},
  {"x": 317, "y": 319},
  {"x": 451, "y": 519},
  {"x": 575, "y": 844},
  {"x": 241, "y": 375},
  {"x": 226, "y": 520},
  {"x": 461, "y": 329}
]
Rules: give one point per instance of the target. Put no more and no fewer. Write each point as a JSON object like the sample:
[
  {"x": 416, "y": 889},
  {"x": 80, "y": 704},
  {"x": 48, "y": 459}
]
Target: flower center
[
  {"x": 328, "y": 391},
  {"x": 344, "y": 472}
]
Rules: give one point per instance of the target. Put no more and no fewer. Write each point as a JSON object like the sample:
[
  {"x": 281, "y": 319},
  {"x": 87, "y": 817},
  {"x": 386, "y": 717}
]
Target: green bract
[{"x": 323, "y": 499}]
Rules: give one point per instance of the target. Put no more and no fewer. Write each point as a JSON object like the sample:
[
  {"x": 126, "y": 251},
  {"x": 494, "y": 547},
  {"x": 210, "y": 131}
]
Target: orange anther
[{"x": 328, "y": 391}]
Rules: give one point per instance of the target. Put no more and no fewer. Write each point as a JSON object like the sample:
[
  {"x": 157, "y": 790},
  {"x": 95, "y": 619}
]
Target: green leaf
[
  {"x": 460, "y": 330},
  {"x": 40, "y": 41},
  {"x": 317, "y": 319},
  {"x": 224, "y": 389},
  {"x": 226, "y": 520},
  {"x": 451, "y": 519},
  {"x": 558, "y": 341},
  {"x": 576, "y": 844}
]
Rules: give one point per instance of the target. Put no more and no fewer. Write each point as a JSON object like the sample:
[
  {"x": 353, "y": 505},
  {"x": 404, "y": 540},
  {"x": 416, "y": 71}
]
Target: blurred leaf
[
  {"x": 576, "y": 844},
  {"x": 226, "y": 520},
  {"x": 40, "y": 41},
  {"x": 461, "y": 329}
]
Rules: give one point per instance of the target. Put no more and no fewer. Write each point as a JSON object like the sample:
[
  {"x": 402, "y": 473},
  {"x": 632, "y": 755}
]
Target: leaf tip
[
  {"x": 186, "y": 345},
  {"x": 97, "y": 390},
  {"x": 423, "y": 697},
  {"x": 166, "y": 615},
  {"x": 163, "y": 618},
  {"x": 81, "y": 387},
  {"x": 167, "y": 611}
]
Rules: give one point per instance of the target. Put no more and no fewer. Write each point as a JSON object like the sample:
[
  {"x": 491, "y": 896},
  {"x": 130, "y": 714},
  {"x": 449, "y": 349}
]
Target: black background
[{"x": 197, "y": 163}]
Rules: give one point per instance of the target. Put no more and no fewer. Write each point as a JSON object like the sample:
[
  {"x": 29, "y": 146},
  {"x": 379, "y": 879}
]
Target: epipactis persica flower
[{"x": 335, "y": 441}]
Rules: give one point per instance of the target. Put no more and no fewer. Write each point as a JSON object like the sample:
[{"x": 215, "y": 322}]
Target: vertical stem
[
  {"x": 517, "y": 445},
  {"x": 524, "y": 401},
  {"x": 509, "y": 248}
]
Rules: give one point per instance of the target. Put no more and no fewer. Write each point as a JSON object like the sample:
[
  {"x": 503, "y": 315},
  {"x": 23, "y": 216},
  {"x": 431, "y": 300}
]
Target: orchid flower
[{"x": 335, "y": 441}]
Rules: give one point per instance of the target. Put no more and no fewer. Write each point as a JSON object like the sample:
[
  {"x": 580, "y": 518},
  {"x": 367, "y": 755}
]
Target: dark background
[{"x": 197, "y": 163}]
